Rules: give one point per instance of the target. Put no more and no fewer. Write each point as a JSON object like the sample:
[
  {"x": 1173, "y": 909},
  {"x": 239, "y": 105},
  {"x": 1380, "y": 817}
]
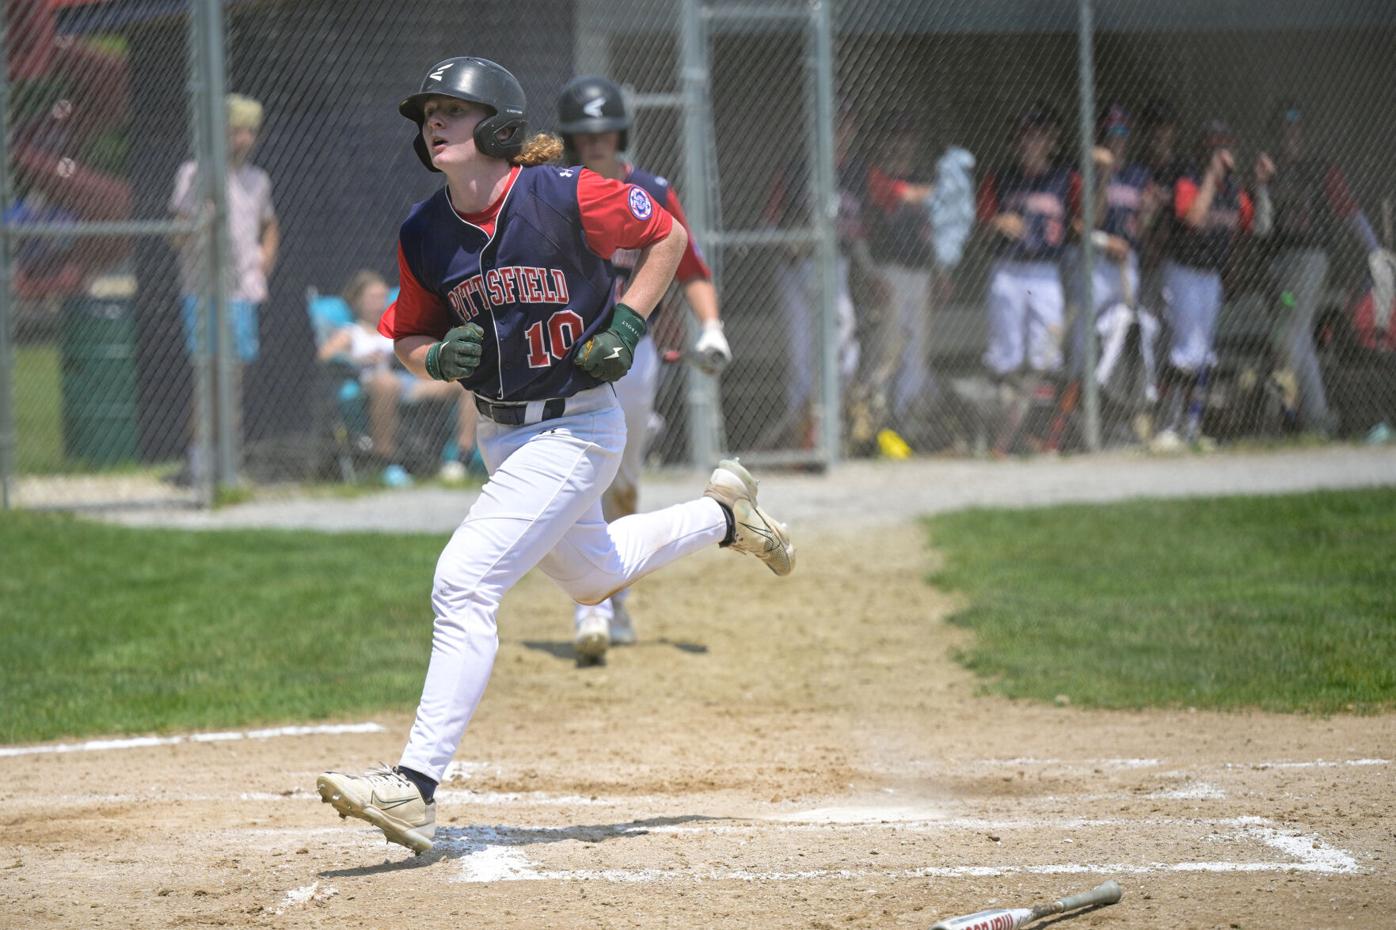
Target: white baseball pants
[
  {"x": 1026, "y": 306},
  {"x": 541, "y": 506},
  {"x": 1192, "y": 299},
  {"x": 797, "y": 295}
]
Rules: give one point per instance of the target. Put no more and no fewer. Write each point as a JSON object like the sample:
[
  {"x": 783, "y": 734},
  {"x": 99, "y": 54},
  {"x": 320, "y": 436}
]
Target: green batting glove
[
  {"x": 457, "y": 355},
  {"x": 609, "y": 354}
]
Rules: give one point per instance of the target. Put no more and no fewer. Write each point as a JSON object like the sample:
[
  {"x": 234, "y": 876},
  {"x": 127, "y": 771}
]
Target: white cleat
[
  {"x": 622, "y": 627},
  {"x": 757, "y": 532},
  {"x": 385, "y": 799},
  {"x": 591, "y": 635}
]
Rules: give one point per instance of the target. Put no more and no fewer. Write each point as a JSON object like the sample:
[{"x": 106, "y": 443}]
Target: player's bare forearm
[
  {"x": 1202, "y": 203},
  {"x": 412, "y": 352},
  {"x": 654, "y": 270},
  {"x": 271, "y": 246},
  {"x": 702, "y": 299}
]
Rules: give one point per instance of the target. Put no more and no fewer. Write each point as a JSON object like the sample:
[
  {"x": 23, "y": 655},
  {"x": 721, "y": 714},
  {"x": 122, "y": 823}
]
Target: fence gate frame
[{"x": 701, "y": 21}]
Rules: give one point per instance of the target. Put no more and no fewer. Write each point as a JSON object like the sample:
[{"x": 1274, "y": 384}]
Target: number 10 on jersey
[{"x": 549, "y": 342}]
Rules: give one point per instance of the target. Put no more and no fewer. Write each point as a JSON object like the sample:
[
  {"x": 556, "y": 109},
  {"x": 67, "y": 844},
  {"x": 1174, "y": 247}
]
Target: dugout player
[
  {"x": 1028, "y": 209},
  {"x": 595, "y": 126},
  {"x": 1127, "y": 201},
  {"x": 506, "y": 287},
  {"x": 1210, "y": 209},
  {"x": 1312, "y": 202}
]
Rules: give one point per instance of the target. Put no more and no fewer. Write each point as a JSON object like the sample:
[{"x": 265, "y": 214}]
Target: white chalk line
[
  {"x": 143, "y": 742},
  {"x": 952, "y": 767},
  {"x": 303, "y": 895},
  {"x": 491, "y": 855},
  {"x": 1315, "y": 764}
]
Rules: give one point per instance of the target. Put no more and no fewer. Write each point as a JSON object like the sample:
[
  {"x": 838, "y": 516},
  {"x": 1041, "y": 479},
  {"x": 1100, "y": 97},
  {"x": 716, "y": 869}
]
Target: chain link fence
[{"x": 934, "y": 227}]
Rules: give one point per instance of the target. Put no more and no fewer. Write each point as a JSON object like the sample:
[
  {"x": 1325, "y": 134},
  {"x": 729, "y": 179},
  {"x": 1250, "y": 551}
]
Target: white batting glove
[
  {"x": 711, "y": 352},
  {"x": 1382, "y": 264}
]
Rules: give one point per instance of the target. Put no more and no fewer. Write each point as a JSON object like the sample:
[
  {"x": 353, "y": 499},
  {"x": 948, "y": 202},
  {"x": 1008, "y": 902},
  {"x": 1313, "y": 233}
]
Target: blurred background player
[
  {"x": 1158, "y": 152},
  {"x": 595, "y": 122},
  {"x": 1028, "y": 208},
  {"x": 1210, "y": 209},
  {"x": 1312, "y": 202},
  {"x": 1126, "y": 202},
  {"x": 387, "y": 383},
  {"x": 897, "y": 212}
]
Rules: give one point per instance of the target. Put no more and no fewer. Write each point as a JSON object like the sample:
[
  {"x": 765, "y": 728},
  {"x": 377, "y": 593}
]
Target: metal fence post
[
  {"x": 227, "y": 395},
  {"x": 693, "y": 65},
  {"x": 7, "y": 369},
  {"x": 1086, "y": 62},
  {"x": 824, "y": 213}
]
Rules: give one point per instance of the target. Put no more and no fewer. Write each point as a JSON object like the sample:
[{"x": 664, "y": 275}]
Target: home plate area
[{"x": 1172, "y": 822}]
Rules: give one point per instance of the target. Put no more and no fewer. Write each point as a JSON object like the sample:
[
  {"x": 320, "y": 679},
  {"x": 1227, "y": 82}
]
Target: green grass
[
  {"x": 38, "y": 409},
  {"x": 114, "y": 630},
  {"x": 1280, "y": 603}
]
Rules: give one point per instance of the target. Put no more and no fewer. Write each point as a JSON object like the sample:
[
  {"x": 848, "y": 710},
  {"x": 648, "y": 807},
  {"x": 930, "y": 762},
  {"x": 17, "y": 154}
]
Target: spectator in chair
[{"x": 387, "y": 384}]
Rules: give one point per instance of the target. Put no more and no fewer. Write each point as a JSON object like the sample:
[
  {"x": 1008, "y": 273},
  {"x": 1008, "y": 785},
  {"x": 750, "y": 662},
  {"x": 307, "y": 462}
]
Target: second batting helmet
[
  {"x": 477, "y": 80},
  {"x": 592, "y": 104}
]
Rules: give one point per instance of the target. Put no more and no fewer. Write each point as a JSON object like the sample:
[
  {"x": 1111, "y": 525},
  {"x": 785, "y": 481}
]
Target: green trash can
[{"x": 97, "y": 351}]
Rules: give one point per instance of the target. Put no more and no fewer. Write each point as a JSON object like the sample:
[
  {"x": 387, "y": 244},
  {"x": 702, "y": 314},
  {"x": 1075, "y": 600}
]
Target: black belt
[{"x": 515, "y": 414}]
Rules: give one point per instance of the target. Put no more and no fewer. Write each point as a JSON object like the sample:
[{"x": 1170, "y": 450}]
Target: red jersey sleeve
[
  {"x": 1184, "y": 193},
  {"x": 1339, "y": 196},
  {"x": 691, "y": 266},
  {"x": 884, "y": 191},
  {"x": 1247, "y": 208},
  {"x": 618, "y": 216},
  {"x": 988, "y": 205},
  {"x": 417, "y": 311}
]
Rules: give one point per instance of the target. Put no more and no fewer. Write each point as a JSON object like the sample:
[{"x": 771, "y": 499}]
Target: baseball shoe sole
[{"x": 385, "y": 799}]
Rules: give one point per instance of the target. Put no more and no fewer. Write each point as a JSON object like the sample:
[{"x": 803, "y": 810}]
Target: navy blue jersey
[
  {"x": 533, "y": 271},
  {"x": 1046, "y": 202},
  {"x": 1124, "y": 198},
  {"x": 691, "y": 266},
  {"x": 1208, "y": 246}
]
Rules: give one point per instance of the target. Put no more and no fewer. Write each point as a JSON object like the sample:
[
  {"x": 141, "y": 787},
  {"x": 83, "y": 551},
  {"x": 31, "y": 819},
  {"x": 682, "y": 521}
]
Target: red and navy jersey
[
  {"x": 1124, "y": 199},
  {"x": 1210, "y": 245},
  {"x": 533, "y": 270},
  {"x": 1309, "y": 197},
  {"x": 1045, "y": 201},
  {"x": 692, "y": 266}
]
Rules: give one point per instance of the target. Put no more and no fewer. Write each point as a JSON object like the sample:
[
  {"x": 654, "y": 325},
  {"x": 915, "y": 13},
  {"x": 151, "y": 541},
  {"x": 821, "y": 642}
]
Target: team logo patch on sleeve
[{"x": 640, "y": 204}]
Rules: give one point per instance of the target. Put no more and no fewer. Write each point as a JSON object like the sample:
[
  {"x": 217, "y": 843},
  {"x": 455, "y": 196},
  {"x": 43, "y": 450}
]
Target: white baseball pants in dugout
[{"x": 541, "y": 506}]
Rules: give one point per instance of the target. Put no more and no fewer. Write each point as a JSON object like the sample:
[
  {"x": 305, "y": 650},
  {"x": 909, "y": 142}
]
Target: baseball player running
[
  {"x": 595, "y": 126},
  {"x": 506, "y": 287}
]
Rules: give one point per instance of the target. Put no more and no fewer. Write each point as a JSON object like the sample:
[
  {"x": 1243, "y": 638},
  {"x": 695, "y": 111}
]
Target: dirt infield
[{"x": 798, "y": 753}]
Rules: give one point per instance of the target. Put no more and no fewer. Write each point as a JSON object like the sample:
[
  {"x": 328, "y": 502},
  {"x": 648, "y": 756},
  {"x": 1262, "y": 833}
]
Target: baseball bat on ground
[{"x": 1011, "y": 918}]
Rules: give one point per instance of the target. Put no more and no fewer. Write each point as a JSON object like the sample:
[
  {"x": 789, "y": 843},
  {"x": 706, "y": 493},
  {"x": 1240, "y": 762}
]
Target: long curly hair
[{"x": 541, "y": 149}]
